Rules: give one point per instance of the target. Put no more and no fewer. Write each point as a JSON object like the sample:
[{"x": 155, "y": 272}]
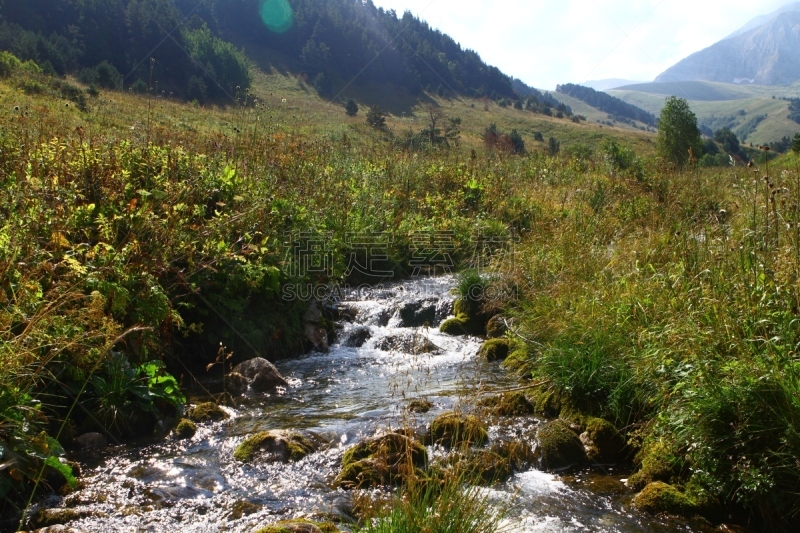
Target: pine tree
[{"x": 351, "y": 108}]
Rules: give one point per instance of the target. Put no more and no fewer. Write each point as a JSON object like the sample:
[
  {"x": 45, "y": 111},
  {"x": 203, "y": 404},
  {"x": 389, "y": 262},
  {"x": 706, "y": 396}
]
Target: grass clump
[
  {"x": 447, "y": 506},
  {"x": 299, "y": 525}
]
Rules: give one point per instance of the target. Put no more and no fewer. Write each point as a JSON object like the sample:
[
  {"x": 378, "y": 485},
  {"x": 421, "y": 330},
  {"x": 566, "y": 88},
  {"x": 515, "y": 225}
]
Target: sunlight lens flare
[{"x": 276, "y": 14}]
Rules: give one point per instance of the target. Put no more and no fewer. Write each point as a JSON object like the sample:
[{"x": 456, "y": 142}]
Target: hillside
[
  {"x": 756, "y": 113},
  {"x": 197, "y": 46},
  {"x": 768, "y": 54}
]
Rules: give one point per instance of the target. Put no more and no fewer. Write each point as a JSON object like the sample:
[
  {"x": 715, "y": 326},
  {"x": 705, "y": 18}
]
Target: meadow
[{"x": 663, "y": 301}]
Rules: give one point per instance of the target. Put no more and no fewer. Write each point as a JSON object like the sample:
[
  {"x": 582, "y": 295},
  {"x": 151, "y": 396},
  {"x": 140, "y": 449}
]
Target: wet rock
[
  {"x": 243, "y": 508},
  {"x": 207, "y": 412},
  {"x": 236, "y": 384},
  {"x": 410, "y": 343},
  {"x": 496, "y": 327},
  {"x": 453, "y": 429},
  {"x": 88, "y": 441},
  {"x": 261, "y": 374},
  {"x": 659, "y": 497},
  {"x": 185, "y": 429},
  {"x": 486, "y": 467},
  {"x": 559, "y": 447},
  {"x": 417, "y": 314},
  {"x": 494, "y": 350},
  {"x": 317, "y": 329},
  {"x": 45, "y": 518},
  {"x": 358, "y": 337},
  {"x": 507, "y": 404},
  {"x": 338, "y": 313},
  {"x": 602, "y": 441},
  {"x": 419, "y": 406},
  {"x": 444, "y": 308},
  {"x": 275, "y": 446},
  {"x": 382, "y": 318},
  {"x": 385, "y": 460},
  {"x": 465, "y": 321}
]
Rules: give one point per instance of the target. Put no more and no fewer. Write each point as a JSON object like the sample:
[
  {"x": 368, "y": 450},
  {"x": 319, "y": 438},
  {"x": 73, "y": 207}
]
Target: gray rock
[
  {"x": 236, "y": 384},
  {"x": 358, "y": 337},
  {"x": 261, "y": 374},
  {"x": 91, "y": 440},
  {"x": 417, "y": 314},
  {"x": 409, "y": 343}
]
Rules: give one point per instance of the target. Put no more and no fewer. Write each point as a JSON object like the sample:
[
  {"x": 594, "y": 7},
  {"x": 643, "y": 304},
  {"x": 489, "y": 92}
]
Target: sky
[{"x": 546, "y": 42}]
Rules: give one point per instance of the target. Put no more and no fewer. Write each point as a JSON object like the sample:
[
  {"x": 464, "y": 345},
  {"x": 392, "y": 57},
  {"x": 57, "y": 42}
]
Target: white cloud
[{"x": 545, "y": 43}]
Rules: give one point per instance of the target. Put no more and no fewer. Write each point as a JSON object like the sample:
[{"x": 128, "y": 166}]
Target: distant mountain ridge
[
  {"x": 768, "y": 54},
  {"x": 764, "y": 19},
  {"x": 609, "y": 84}
]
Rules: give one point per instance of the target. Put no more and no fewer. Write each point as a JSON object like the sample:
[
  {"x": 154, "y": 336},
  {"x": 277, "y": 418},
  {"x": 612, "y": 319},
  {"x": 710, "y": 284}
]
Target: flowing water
[{"x": 342, "y": 396}]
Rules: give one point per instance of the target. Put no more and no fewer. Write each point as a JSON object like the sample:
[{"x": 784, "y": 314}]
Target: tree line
[
  {"x": 607, "y": 103},
  {"x": 198, "y": 45}
]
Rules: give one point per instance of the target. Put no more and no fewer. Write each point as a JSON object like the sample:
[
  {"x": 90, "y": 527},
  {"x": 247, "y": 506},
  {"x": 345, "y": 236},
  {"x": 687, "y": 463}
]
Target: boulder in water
[
  {"x": 358, "y": 337},
  {"x": 207, "y": 412},
  {"x": 409, "y": 343},
  {"x": 453, "y": 429},
  {"x": 185, "y": 429},
  {"x": 236, "y": 384},
  {"x": 385, "y": 460},
  {"x": 261, "y": 374},
  {"x": 602, "y": 441},
  {"x": 88, "y": 441},
  {"x": 559, "y": 447},
  {"x": 496, "y": 327},
  {"x": 275, "y": 446},
  {"x": 659, "y": 497},
  {"x": 507, "y": 404},
  {"x": 494, "y": 350},
  {"x": 417, "y": 314}
]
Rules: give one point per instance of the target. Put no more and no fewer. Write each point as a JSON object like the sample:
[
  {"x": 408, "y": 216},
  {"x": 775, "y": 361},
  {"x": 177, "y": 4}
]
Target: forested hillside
[
  {"x": 607, "y": 103},
  {"x": 198, "y": 45}
]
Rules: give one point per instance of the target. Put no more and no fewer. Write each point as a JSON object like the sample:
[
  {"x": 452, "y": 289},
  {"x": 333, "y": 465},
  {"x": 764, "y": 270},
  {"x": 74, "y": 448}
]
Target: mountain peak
[{"x": 768, "y": 54}]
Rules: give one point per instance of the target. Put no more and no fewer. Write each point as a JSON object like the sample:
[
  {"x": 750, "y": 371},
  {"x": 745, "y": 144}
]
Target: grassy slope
[
  {"x": 627, "y": 305},
  {"x": 709, "y": 100}
]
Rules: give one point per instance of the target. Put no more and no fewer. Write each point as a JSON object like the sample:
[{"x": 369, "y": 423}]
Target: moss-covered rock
[
  {"x": 657, "y": 464},
  {"x": 207, "y": 412},
  {"x": 518, "y": 359},
  {"x": 299, "y": 525},
  {"x": 507, "y": 404},
  {"x": 385, "y": 460},
  {"x": 545, "y": 402},
  {"x": 243, "y": 508},
  {"x": 419, "y": 406},
  {"x": 454, "y": 326},
  {"x": 659, "y": 497},
  {"x": 185, "y": 429},
  {"x": 485, "y": 467},
  {"x": 603, "y": 441},
  {"x": 494, "y": 350},
  {"x": 275, "y": 446},
  {"x": 558, "y": 446},
  {"x": 466, "y": 321},
  {"x": 496, "y": 327},
  {"x": 453, "y": 429}
]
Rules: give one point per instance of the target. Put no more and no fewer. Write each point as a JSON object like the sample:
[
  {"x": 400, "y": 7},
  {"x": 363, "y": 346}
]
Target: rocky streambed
[{"x": 389, "y": 377}]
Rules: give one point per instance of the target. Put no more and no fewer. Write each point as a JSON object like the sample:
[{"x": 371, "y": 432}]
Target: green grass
[{"x": 663, "y": 301}]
